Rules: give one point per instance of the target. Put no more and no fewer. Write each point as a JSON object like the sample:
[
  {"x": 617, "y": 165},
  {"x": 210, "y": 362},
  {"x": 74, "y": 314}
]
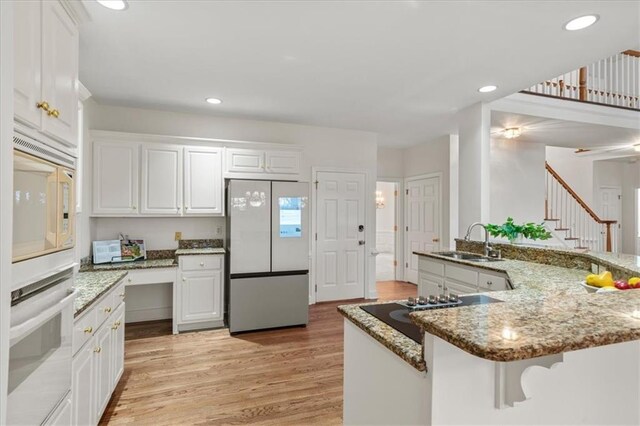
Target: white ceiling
[{"x": 398, "y": 68}]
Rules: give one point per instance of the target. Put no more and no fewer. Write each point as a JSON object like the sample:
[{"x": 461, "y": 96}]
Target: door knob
[
  {"x": 361, "y": 242},
  {"x": 436, "y": 240}
]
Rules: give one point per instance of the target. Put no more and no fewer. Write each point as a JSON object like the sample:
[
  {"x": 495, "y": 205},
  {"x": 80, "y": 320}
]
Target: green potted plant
[{"x": 513, "y": 231}]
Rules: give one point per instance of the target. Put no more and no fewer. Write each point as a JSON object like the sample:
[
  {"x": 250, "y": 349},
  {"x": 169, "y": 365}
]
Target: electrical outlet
[
  {"x": 178, "y": 236},
  {"x": 219, "y": 230}
]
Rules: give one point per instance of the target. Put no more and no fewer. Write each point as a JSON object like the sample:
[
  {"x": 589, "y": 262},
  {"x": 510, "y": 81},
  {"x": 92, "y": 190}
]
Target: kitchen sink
[{"x": 467, "y": 256}]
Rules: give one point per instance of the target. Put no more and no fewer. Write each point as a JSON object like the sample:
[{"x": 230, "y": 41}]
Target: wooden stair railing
[{"x": 572, "y": 214}]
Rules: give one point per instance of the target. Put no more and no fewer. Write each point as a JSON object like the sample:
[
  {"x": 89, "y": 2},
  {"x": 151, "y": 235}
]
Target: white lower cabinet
[
  {"x": 200, "y": 292},
  {"x": 98, "y": 364},
  {"x": 439, "y": 276}
]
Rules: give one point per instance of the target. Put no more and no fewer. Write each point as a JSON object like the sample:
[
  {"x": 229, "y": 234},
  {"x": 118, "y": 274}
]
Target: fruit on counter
[
  {"x": 622, "y": 285},
  {"x": 634, "y": 282},
  {"x": 605, "y": 279}
]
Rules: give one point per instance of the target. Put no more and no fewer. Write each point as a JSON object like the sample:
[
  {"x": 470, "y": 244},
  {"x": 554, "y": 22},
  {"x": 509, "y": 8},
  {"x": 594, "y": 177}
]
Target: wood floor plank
[{"x": 290, "y": 376}]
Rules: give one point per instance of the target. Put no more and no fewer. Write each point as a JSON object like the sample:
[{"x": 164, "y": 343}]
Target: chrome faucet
[{"x": 487, "y": 244}]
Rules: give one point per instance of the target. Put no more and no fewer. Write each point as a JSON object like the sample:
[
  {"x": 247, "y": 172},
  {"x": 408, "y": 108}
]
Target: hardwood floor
[{"x": 283, "y": 376}]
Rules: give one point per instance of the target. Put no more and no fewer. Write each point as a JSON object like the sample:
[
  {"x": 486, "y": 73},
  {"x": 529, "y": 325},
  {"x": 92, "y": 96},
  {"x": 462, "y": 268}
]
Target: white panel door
[
  {"x": 245, "y": 160},
  {"x": 82, "y": 386},
  {"x": 161, "y": 180},
  {"x": 115, "y": 178},
  {"x": 282, "y": 162},
  {"x": 117, "y": 341},
  {"x": 27, "y": 65},
  {"x": 249, "y": 209},
  {"x": 60, "y": 73},
  {"x": 201, "y": 297},
  {"x": 203, "y": 185},
  {"x": 103, "y": 368},
  {"x": 422, "y": 221},
  {"x": 340, "y": 249},
  {"x": 610, "y": 208}
]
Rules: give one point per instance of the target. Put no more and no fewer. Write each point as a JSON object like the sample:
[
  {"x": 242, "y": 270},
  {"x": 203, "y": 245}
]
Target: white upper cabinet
[
  {"x": 282, "y": 162},
  {"x": 115, "y": 178},
  {"x": 161, "y": 191},
  {"x": 27, "y": 55},
  {"x": 203, "y": 186},
  {"x": 256, "y": 161},
  {"x": 245, "y": 160},
  {"x": 46, "y": 69}
]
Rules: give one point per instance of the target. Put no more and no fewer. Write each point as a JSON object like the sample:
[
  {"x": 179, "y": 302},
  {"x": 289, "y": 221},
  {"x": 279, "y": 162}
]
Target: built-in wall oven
[
  {"x": 43, "y": 199},
  {"x": 40, "y": 353}
]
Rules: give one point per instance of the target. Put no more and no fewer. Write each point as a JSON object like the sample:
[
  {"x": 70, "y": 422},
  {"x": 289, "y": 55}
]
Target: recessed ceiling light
[
  {"x": 636, "y": 147},
  {"x": 581, "y": 22},
  {"x": 487, "y": 89},
  {"x": 512, "y": 132},
  {"x": 113, "y": 4},
  {"x": 214, "y": 101}
]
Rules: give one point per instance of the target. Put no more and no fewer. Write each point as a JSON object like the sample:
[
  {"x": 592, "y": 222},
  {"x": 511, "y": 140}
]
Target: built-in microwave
[{"x": 43, "y": 199}]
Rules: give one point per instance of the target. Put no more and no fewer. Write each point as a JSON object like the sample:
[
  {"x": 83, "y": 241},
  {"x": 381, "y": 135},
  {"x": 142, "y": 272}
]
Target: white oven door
[{"x": 40, "y": 355}]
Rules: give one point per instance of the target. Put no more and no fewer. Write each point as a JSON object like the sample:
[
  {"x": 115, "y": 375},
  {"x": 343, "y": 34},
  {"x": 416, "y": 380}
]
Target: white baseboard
[
  {"x": 201, "y": 325},
  {"x": 149, "y": 314}
]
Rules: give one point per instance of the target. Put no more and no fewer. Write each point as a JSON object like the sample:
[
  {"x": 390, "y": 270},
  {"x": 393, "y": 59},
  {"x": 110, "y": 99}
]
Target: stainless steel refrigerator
[{"x": 268, "y": 243}]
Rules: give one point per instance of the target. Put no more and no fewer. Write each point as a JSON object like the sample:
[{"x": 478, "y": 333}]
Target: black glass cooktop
[{"x": 397, "y": 316}]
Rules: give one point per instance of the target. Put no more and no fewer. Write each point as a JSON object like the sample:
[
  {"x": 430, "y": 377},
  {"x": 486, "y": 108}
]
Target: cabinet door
[
  {"x": 245, "y": 160},
  {"x": 430, "y": 285},
  {"x": 82, "y": 386},
  {"x": 459, "y": 288},
  {"x": 117, "y": 341},
  {"x": 103, "y": 365},
  {"x": 59, "y": 73},
  {"x": 27, "y": 65},
  {"x": 282, "y": 162},
  {"x": 115, "y": 178},
  {"x": 161, "y": 180},
  {"x": 201, "y": 297},
  {"x": 203, "y": 186}
]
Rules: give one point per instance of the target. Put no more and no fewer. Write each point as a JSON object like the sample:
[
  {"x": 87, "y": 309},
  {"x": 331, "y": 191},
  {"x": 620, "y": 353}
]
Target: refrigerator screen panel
[{"x": 290, "y": 217}]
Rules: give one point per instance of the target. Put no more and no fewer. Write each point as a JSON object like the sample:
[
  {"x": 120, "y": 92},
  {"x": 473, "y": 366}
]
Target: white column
[
  {"x": 454, "y": 190},
  {"x": 474, "y": 124}
]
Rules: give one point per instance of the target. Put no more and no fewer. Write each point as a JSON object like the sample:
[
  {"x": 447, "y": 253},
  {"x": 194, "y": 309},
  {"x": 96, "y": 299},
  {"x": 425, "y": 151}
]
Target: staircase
[{"x": 573, "y": 220}]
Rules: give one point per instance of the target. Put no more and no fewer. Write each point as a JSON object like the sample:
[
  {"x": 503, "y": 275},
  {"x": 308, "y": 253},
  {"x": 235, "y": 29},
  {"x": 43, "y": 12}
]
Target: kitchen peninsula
[{"x": 550, "y": 353}]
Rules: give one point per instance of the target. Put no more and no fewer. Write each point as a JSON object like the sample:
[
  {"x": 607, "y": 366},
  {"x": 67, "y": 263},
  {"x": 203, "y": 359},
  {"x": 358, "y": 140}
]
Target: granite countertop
[
  {"x": 90, "y": 286},
  {"x": 548, "y": 312},
  {"x": 398, "y": 343},
  {"x": 204, "y": 250},
  {"x": 126, "y": 266}
]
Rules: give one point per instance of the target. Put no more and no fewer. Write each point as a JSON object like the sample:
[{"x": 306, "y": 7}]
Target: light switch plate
[{"x": 178, "y": 236}]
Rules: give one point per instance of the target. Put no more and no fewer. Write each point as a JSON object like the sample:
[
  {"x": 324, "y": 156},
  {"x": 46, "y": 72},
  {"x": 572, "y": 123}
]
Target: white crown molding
[{"x": 76, "y": 10}]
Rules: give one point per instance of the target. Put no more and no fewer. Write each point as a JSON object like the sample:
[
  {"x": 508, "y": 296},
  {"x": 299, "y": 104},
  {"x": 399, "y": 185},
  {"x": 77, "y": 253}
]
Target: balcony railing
[{"x": 613, "y": 81}]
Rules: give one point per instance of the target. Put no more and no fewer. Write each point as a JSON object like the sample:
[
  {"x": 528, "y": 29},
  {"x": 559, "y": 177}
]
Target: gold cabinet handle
[
  {"x": 98, "y": 350},
  {"x": 114, "y": 326},
  {"x": 53, "y": 113},
  {"x": 107, "y": 310},
  {"x": 88, "y": 330},
  {"x": 122, "y": 294},
  {"x": 44, "y": 105}
]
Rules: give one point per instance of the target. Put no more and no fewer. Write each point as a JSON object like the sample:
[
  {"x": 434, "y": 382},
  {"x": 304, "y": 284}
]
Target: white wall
[
  {"x": 517, "y": 181},
  {"x": 385, "y": 233},
  {"x": 322, "y": 147},
  {"x": 390, "y": 162}
]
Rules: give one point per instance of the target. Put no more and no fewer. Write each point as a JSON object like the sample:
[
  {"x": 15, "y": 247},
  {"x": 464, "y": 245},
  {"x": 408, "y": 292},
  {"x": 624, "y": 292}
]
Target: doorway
[
  {"x": 340, "y": 235},
  {"x": 610, "y": 200},
  {"x": 386, "y": 230},
  {"x": 423, "y": 219}
]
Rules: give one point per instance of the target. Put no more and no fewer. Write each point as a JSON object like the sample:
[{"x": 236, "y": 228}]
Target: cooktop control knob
[
  {"x": 453, "y": 298},
  {"x": 422, "y": 300},
  {"x": 443, "y": 298},
  {"x": 433, "y": 300},
  {"x": 411, "y": 301}
]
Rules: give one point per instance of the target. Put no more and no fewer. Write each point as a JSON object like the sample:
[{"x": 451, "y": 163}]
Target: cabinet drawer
[
  {"x": 83, "y": 329},
  {"x": 117, "y": 295},
  {"x": 463, "y": 275},
  {"x": 104, "y": 309},
  {"x": 200, "y": 263},
  {"x": 454, "y": 287},
  {"x": 492, "y": 282},
  {"x": 151, "y": 276},
  {"x": 430, "y": 266}
]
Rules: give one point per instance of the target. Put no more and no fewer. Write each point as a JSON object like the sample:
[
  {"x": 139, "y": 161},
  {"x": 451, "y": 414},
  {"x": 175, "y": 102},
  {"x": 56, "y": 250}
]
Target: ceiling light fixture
[
  {"x": 636, "y": 147},
  {"x": 214, "y": 101},
  {"x": 487, "y": 89},
  {"x": 512, "y": 132},
  {"x": 581, "y": 22},
  {"x": 113, "y": 4}
]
